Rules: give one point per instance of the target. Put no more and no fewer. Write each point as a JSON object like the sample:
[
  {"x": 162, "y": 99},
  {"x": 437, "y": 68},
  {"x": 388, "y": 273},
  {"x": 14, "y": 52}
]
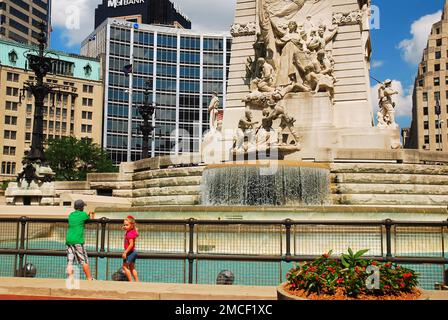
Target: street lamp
[
  {"x": 438, "y": 111},
  {"x": 146, "y": 110},
  {"x": 41, "y": 64}
]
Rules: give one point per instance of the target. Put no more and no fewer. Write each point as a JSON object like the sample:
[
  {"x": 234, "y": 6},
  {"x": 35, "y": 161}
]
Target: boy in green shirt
[{"x": 75, "y": 239}]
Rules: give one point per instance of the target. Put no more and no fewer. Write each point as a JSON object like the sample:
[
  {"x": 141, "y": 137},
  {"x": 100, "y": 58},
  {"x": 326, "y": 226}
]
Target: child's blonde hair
[{"x": 131, "y": 220}]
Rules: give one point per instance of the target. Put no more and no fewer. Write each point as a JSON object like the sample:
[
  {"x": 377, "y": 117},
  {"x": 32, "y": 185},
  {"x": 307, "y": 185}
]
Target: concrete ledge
[{"x": 132, "y": 291}]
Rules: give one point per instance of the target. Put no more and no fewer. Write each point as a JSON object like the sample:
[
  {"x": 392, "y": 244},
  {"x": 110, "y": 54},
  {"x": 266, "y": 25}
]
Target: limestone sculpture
[
  {"x": 213, "y": 110},
  {"x": 283, "y": 51},
  {"x": 387, "y": 106},
  {"x": 245, "y": 137}
]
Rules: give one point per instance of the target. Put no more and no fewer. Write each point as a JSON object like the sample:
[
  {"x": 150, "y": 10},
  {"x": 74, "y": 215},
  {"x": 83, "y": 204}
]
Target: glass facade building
[{"x": 182, "y": 68}]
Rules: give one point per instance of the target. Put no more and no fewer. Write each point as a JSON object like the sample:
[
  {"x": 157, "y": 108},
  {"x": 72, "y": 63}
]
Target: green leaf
[
  {"x": 360, "y": 253},
  {"x": 350, "y": 251},
  {"x": 344, "y": 262}
]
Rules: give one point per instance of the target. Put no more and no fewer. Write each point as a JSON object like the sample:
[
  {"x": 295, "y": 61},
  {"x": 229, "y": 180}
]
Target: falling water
[{"x": 257, "y": 186}]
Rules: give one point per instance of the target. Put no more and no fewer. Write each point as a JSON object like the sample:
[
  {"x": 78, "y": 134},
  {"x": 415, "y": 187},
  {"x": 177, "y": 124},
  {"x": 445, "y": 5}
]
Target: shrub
[{"x": 327, "y": 275}]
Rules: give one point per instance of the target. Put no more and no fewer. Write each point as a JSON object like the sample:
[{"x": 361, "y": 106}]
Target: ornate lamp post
[
  {"x": 146, "y": 110},
  {"x": 41, "y": 64}
]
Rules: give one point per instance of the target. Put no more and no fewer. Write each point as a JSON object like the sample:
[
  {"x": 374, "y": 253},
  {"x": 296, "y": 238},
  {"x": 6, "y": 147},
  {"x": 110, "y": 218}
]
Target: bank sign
[{"x": 121, "y": 3}]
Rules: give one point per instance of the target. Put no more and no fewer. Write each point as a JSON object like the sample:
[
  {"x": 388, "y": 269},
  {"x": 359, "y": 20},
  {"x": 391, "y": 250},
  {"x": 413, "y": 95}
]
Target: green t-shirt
[{"x": 75, "y": 233}]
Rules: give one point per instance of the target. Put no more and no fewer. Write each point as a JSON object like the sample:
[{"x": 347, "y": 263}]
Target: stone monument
[{"x": 299, "y": 80}]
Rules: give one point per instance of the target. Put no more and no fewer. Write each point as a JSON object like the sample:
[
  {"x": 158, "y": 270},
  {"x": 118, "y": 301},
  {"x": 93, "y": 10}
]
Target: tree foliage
[{"x": 72, "y": 159}]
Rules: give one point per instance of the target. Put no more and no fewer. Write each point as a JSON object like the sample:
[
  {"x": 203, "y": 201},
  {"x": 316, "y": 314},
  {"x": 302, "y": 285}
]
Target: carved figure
[
  {"x": 213, "y": 111},
  {"x": 387, "y": 106},
  {"x": 245, "y": 137}
]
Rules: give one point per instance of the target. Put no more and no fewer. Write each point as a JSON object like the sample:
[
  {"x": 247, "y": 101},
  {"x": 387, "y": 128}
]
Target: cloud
[
  {"x": 377, "y": 64},
  {"x": 206, "y": 15},
  {"x": 412, "y": 49},
  {"x": 76, "y": 18},
  {"x": 403, "y": 100}
]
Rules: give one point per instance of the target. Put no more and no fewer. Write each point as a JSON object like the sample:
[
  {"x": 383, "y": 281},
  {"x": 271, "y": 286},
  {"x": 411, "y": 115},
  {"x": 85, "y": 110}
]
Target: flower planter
[{"x": 284, "y": 294}]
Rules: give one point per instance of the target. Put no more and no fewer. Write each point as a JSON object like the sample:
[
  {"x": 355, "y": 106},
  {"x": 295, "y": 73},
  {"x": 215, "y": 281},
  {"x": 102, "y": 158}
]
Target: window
[
  {"x": 88, "y": 70},
  {"x": 425, "y": 111},
  {"x": 86, "y": 128},
  {"x": 425, "y": 96},
  {"x": 437, "y": 96},
  {"x": 14, "y": 92},
  {"x": 9, "y": 151},
  {"x": 426, "y": 125},
  {"x": 421, "y": 83},
  {"x": 437, "y": 81},
  {"x": 438, "y": 31},
  {"x": 426, "y": 139},
  {"x": 28, "y": 123},
  {"x": 437, "y": 67},
  {"x": 11, "y": 135},
  {"x": 87, "y": 102},
  {"x": 438, "y": 54},
  {"x": 87, "y": 89},
  {"x": 28, "y": 136},
  {"x": 8, "y": 168},
  {"x": 11, "y": 106},
  {"x": 11, "y": 120},
  {"x": 87, "y": 115},
  {"x": 14, "y": 77},
  {"x": 439, "y": 42},
  {"x": 12, "y": 56},
  {"x": 29, "y": 108}
]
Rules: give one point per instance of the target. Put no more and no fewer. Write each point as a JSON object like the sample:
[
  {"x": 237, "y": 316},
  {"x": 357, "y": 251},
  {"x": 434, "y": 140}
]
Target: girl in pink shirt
[{"x": 130, "y": 254}]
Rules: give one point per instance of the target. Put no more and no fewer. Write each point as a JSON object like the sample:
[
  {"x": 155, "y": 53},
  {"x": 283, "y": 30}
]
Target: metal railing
[{"x": 194, "y": 251}]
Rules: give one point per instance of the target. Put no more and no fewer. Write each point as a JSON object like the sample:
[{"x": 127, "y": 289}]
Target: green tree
[{"x": 72, "y": 159}]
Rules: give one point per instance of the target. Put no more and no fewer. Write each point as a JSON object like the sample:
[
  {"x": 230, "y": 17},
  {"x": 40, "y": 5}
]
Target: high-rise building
[
  {"x": 74, "y": 109},
  {"x": 430, "y": 99},
  {"x": 19, "y": 19},
  {"x": 183, "y": 68},
  {"x": 159, "y": 12}
]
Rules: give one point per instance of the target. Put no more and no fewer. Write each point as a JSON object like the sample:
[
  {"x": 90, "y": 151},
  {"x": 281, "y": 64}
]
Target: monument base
[{"x": 22, "y": 194}]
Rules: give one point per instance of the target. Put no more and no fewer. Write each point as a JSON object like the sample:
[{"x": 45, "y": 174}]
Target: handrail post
[
  {"x": 288, "y": 225},
  {"x": 103, "y": 222},
  {"x": 190, "y": 256},
  {"x": 388, "y": 223},
  {"x": 23, "y": 222}
]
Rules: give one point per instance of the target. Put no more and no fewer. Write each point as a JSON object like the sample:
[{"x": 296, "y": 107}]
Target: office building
[
  {"x": 430, "y": 99},
  {"x": 19, "y": 19},
  {"x": 183, "y": 68},
  {"x": 74, "y": 109},
  {"x": 158, "y": 12}
]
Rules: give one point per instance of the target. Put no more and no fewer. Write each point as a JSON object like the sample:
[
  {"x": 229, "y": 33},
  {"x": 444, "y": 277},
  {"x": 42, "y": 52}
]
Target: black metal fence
[{"x": 193, "y": 251}]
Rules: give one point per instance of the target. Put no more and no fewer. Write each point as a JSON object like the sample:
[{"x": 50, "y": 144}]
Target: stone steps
[
  {"x": 171, "y": 186},
  {"x": 389, "y": 184}
]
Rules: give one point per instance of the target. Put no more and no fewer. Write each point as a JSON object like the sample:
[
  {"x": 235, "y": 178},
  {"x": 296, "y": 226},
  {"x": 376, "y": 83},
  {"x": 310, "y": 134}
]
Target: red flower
[
  {"x": 397, "y": 267},
  {"x": 357, "y": 269},
  {"x": 340, "y": 280},
  {"x": 407, "y": 275},
  {"x": 401, "y": 284},
  {"x": 332, "y": 270},
  {"x": 374, "y": 263},
  {"x": 326, "y": 255},
  {"x": 388, "y": 265},
  {"x": 387, "y": 286},
  {"x": 317, "y": 278}
]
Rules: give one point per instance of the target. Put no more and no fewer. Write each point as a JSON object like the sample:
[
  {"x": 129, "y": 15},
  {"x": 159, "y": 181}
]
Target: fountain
[{"x": 261, "y": 183}]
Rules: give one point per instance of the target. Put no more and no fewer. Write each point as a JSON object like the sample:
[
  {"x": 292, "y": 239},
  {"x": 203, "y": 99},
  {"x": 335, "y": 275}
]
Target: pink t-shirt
[{"x": 131, "y": 234}]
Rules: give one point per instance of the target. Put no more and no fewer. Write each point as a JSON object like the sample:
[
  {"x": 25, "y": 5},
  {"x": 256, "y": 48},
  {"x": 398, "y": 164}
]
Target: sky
[{"x": 399, "y": 35}]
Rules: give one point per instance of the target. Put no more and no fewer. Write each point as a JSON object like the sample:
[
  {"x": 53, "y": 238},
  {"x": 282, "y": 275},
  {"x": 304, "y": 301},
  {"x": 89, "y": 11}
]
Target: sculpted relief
[{"x": 290, "y": 55}]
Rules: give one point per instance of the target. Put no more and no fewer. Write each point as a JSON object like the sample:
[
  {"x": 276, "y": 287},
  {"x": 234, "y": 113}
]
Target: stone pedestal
[{"x": 20, "y": 194}]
